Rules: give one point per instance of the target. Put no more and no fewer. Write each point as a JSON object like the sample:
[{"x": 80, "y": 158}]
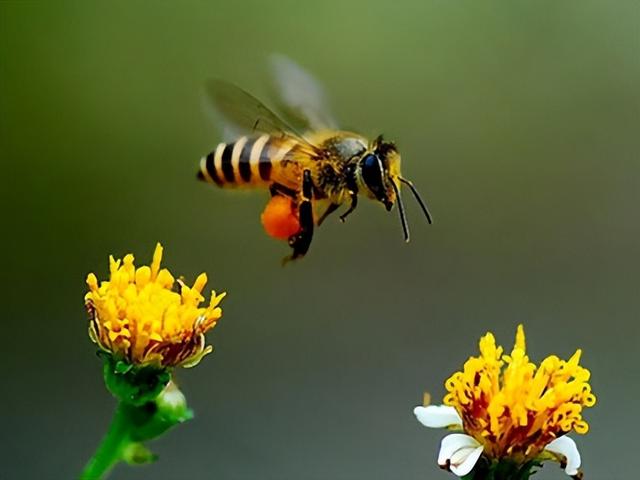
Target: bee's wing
[
  {"x": 303, "y": 98},
  {"x": 242, "y": 113}
]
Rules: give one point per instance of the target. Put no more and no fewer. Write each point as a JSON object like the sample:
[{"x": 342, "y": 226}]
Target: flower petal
[
  {"x": 459, "y": 452},
  {"x": 566, "y": 447},
  {"x": 437, "y": 416},
  {"x": 463, "y": 461}
]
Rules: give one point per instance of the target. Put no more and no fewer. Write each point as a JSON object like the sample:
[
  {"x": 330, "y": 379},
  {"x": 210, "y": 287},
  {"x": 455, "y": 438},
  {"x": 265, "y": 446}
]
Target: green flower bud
[{"x": 133, "y": 384}]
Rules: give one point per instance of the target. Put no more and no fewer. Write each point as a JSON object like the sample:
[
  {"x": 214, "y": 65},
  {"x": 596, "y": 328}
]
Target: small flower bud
[{"x": 172, "y": 404}]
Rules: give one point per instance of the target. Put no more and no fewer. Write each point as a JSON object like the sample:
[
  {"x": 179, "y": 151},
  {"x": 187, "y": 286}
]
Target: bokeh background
[{"x": 517, "y": 120}]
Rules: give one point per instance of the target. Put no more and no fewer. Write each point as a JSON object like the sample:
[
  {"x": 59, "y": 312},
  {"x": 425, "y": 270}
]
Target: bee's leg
[
  {"x": 278, "y": 189},
  {"x": 301, "y": 241},
  {"x": 352, "y": 185},
  {"x": 330, "y": 209},
  {"x": 352, "y": 207}
]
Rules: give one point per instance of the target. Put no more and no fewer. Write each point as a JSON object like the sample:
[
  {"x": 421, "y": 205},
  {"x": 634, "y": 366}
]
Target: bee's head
[
  {"x": 379, "y": 169},
  {"x": 380, "y": 178}
]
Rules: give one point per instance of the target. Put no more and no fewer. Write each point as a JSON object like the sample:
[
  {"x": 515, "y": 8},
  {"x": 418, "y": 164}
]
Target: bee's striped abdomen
[{"x": 248, "y": 162}]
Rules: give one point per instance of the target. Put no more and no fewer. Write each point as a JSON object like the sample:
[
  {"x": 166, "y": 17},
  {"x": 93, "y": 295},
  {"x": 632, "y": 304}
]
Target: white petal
[
  {"x": 460, "y": 451},
  {"x": 453, "y": 442},
  {"x": 463, "y": 461},
  {"x": 566, "y": 447},
  {"x": 437, "y": 416}
]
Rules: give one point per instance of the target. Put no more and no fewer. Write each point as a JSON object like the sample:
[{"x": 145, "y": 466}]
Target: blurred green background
[{"x": 519, "y": 121}]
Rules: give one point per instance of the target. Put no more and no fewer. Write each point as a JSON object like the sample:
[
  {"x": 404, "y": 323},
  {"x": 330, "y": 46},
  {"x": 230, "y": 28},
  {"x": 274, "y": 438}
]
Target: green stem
[
  {"x": 149, "y": 405},
  {"x": 111, "y": 448}
]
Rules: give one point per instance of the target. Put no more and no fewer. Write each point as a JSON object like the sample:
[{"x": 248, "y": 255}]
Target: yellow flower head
[
  {"x": 138, "y": 316},
  {"x": 514, "y": 407}
]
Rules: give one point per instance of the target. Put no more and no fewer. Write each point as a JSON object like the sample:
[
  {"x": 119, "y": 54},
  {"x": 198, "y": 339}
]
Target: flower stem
[{"x": 111, "y": 448}]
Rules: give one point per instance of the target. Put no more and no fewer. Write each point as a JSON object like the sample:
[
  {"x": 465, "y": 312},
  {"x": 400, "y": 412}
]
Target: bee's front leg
[
  {"x": 301, "y": 241},
  {"x": 352, "y": 185},
  {"x": 352, "y": 207}
]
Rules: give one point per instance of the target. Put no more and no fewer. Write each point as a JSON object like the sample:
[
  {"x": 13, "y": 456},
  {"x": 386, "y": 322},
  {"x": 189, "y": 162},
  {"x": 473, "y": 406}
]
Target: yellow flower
[
  {"x": 138, "y": 316},
  {"x": 511, "y": 408}
]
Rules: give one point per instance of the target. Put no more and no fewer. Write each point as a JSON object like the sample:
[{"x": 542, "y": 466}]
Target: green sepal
[
  {"x": 138, "y": 454},
  {"x": 133, "y": 384},
  {"x": 122, "y": 367},
  {"x": 504, "y": 469}
]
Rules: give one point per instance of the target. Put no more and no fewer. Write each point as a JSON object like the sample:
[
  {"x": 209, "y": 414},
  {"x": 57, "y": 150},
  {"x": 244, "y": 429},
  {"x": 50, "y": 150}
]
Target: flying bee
[{"x": 317, "y": 165}]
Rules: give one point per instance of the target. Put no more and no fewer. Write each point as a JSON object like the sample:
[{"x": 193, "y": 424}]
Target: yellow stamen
[
  {"x": 515, "y": 408},
  {"x": 136, "y": 315}
]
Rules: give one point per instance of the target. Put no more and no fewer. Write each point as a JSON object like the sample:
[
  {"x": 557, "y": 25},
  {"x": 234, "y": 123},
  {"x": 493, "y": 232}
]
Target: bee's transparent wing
[
  {"x": 243, "y": 113},
  {"x": 303, "y": 98}
]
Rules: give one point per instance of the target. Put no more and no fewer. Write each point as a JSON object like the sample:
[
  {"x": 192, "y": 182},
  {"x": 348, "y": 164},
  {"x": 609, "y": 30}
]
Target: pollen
[
  {"x": 279, "y": 218},
  {"x": 145, "y": 316},
  {"x": 515, "y": 407}
]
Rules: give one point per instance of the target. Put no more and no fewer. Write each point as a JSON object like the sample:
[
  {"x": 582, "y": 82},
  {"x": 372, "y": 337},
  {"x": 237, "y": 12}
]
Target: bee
[{"x": 314, "y": 164}]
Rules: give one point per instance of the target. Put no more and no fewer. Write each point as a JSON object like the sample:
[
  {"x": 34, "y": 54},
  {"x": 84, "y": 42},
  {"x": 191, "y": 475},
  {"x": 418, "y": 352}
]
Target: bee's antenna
[
  {"x": 403, "y": 217},
  {"x": 418, "y": 198}
]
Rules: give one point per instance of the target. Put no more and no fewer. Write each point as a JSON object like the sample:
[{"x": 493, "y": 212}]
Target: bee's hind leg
[
  {"x": 301, "y": 241},
  {"x": 278, "y": 189}
]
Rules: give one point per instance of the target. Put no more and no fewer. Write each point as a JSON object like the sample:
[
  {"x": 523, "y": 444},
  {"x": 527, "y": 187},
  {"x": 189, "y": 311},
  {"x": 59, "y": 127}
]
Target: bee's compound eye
[
  {"x": 372, "y": 175},
  {"x": 369, "y": 162}
]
